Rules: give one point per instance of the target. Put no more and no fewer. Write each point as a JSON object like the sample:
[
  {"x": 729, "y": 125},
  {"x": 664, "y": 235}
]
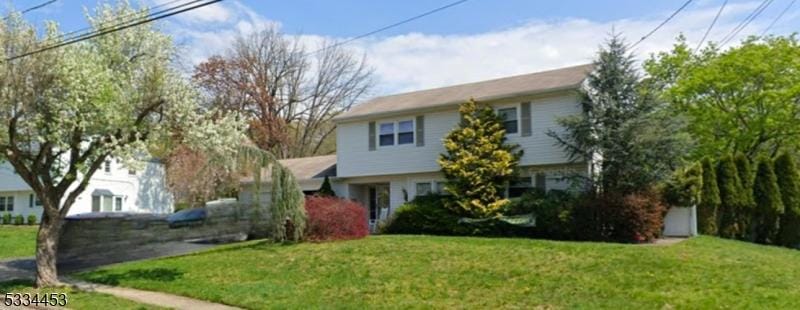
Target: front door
[{"x": 378, "y": 205}]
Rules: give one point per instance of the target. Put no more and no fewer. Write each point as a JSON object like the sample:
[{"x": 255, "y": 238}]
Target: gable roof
[
  {"x": 305, "y": 168},
  {"x": 520, "y": 85}
]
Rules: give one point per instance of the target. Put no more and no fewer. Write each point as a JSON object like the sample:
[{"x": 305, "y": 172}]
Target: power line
[
  {"x": 662, "y": 23},
  {"x": 35, "y": 7},
  {"x": 778, "y": 17},
  {"x": 89, "y": 29},
  {"x": 721, "y": 8},
  {"x": 392, "y": 25},
  {"x": 152, "y": 18},
  {"x": 760, "y": 8}
]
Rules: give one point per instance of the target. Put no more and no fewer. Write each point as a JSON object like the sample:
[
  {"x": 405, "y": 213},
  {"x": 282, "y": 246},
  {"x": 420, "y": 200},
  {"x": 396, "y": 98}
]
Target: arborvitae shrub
[
  {"x": 6, "y": 218},
  {"x": 19, "y": 219},
  {"x": 731, "y": 195},
  {"x": 789, "y": 184},
  {"x": 745, "y": 214},
  {"x": 769, "y": 206},
  {"x": 31, "y": 219},
  {"x": 709, "y": 200},
  {"x": 326, "y": 190},
  {"x": 332, "y": 218}
]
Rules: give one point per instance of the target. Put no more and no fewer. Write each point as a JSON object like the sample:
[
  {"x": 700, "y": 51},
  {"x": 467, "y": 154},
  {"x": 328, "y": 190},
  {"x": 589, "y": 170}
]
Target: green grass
[
  {"x": 17, "y": 241},
  {"x": 76, "y": 299},
  {"x": 448, "y": 272}
]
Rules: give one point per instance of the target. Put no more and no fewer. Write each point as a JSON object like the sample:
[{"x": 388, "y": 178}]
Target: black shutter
[
  {"x": 420, "y": 130},
  {"x": 541, "y": 181},
  {"x": 525, "y": 118},
  {"x": 371, "y": 136}
]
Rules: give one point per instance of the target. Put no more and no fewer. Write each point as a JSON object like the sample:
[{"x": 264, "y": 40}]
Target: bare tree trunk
[{"x": 47, "y": 249}]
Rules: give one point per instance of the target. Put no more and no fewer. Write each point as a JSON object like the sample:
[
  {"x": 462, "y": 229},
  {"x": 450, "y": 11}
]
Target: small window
[
  {"x": 107, "y": 166},
  {"x": 7, "y": 203},
  {"x": 107, "y": 204},
  {"x": 509, "y": 119},
  {"x": 131, "y": 172},
  {"x": 439, "y": 188},
  {"x": 387, "y": 134},
  {"x": 424, "y": 188},
  {"x": 405, "y": 132},
  {"x": 96, "y": 203},
  {"x": 519, "y": 186},
  {"x": 34, "y": 201},
  {"x": 117, "y": 203}
]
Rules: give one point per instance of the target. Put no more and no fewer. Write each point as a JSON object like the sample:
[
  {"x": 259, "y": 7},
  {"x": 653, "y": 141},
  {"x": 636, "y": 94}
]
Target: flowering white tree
[{"x": 65, "y": 111}]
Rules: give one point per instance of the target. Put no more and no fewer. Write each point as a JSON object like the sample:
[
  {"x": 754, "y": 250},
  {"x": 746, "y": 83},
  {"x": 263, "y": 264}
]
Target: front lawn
[
  {"x": 76, "y": 299},
  {"x": 17, "y": 241},
  {"x": 448, "y": 272}
]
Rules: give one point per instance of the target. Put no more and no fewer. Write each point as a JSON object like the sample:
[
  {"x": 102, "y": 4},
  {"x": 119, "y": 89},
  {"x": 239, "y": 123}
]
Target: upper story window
[
  {"x": 405, "y": 132},
  {"x": 387, "y": 134},
  {"x": 509, "y": 118},
  {"x": 107, "y": 166}
]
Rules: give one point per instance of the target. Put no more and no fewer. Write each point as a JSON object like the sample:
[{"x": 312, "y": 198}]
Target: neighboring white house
[
  {"x": 387, "y": 147},
  {"x": 113, "y": 188}
]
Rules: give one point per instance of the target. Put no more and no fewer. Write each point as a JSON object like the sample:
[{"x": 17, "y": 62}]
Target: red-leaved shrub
[
  {"x": 333, "y": 218},
  {"x": 633, "y": 218}
]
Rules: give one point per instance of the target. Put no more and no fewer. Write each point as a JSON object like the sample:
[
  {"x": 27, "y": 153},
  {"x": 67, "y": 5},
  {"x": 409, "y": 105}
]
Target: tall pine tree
[
  {"x": 622, "y": 131},
  {"x": 732, "y": 197},
  {"x": 789, "y": 184},
  {"x": 769, "y": 206},
  {"x": 709, "y": 200},
  {"x": 478, "y": 162}
]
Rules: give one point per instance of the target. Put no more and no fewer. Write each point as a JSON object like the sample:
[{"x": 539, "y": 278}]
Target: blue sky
[{"x": 476, "y": 40}]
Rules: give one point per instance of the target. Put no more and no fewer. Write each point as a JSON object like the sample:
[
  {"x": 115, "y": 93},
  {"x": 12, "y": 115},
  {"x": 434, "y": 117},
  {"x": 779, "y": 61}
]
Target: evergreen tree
[
  {"x": 709, "y": 200},
  {"x": 622, "y": 131},
  {"x": 745, "y": 214},
  {"x": 731, "y": 195},
  {"x": 789, "y": 184},
  {"x": 478, "y": 163},
  {"x": 769, "y": 206},
  {"x": 326, "y": 190}
]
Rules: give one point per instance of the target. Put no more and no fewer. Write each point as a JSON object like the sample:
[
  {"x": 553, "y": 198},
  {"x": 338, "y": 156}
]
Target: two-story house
[
  {"x": 113, "y": 188},
  {"x": 387, "y": 147}
]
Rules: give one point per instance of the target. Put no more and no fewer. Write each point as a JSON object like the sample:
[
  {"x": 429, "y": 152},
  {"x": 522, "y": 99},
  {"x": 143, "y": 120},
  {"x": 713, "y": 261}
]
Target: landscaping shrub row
[
  {"x": 8, "y": 219},
  {"x": 559, "y": 215}
]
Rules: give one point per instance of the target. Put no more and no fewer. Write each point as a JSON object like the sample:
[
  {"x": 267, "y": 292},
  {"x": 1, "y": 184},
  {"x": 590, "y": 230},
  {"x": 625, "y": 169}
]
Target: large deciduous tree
[
  {"x": 288, "y": 95},
  {"x": 478, "y": 163},
  {"x": 67, "y": 110},
  {"x": 741, "y": 100},
  {"x": 622, "y": 131}
]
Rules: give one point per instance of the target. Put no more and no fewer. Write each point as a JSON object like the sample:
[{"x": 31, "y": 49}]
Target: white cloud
[{"x": 416, "y": 61}]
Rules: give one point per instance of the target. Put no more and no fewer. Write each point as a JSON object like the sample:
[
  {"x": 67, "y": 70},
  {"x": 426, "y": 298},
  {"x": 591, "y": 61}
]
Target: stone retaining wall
[{"x": 115, "y": 238}]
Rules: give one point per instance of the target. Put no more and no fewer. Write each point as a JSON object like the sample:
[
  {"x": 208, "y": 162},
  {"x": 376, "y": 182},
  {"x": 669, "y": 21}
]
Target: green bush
[
  {"x": 709, "y": 200},
  {"x": 19, "y": 219},
  {"x": 684, "y": 188},
  {"x": 732, "y": 197},
  {"x": 789, "y": 184},
  {"x": 428, "y": 215},
  {"x": 6, "y": 218},
  {"x": 769, "y": 206},
  {"x": 553, "y": 212},
  {"x": 31, "y": 219},
  {"x": 745, "y": 214}
]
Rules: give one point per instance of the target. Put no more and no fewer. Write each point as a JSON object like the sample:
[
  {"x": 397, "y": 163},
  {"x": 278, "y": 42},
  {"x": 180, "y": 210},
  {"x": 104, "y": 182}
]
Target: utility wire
[
  {"x": 778, "y": 17},
  {"x": 151, "y": 18},
  {"x": 662, "y": 23},
  {"x": 760, "y": 8},
  {"x": 35, "y": 7},
  {"x": 391, "y": 26},
  {"x": 721, "y": 8},
  {"x": 89, "y": 29}
]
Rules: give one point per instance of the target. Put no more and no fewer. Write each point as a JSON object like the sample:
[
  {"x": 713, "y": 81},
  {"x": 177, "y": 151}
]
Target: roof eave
[{"x": 345, "y": 118}]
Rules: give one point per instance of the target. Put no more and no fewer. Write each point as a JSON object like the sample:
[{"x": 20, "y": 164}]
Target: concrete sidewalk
[{"x": 148, "y": 297}]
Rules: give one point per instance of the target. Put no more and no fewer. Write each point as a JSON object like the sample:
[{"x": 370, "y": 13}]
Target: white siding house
[
  {"x": 113, "y": 188},
  {"x": 387, "y": 147}
]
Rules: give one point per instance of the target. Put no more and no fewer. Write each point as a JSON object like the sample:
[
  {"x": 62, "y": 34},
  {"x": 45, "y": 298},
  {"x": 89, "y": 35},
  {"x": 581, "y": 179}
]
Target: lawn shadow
[{"x": 152, "y": 274}]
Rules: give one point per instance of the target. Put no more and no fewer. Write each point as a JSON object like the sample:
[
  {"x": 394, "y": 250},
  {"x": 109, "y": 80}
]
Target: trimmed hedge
[
  {"x": 333, "y": 218},
  {"x": 19, "y": 219},
  {"x": 31, "y": 219},
  {"x": 6, "y": 218}
]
